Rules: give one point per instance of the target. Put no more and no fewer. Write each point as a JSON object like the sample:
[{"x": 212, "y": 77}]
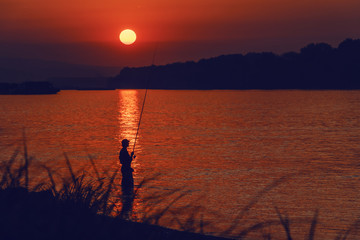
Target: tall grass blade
[
  {"x": 285, "y": 222},
  {"x": 95, "y": 168},
  {"x": 107, "y": 209},
  {"x": 155, "y": 218},
  {"x": 26, "y": 159},
  {"x": 258, "y": 196},
  {"x": 52, "y": 181},
  {"x": 70, "y": 168},
  {"x": 255, "y": 227},
  {"x": 6, "y": 169},
  {"x": 313, "y": 225}
]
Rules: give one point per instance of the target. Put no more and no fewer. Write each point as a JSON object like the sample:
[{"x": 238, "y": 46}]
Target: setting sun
[{"x": 127, "y": 36}]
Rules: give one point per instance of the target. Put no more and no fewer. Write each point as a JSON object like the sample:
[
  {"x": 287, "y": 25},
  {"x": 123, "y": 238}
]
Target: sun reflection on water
[{"x": 128, "y": 115}]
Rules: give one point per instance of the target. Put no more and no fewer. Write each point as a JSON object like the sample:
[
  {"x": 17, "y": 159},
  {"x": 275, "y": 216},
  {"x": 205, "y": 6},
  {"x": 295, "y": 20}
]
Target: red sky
[{"x": 86, "y": 31}]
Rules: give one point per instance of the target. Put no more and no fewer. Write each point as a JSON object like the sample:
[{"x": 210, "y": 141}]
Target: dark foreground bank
[
  {"x": 40, "y": 215},
  {"x": 79, "y": 207},
  {"x": 73, "y": 207}
]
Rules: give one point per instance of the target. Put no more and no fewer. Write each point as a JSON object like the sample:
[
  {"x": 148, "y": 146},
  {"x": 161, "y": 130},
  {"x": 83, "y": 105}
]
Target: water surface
[{"x": 221, "y": 147}]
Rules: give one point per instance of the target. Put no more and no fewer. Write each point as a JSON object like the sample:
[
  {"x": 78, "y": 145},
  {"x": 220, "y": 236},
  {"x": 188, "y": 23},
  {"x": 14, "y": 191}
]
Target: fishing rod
[{"x": 146, "y": 90}]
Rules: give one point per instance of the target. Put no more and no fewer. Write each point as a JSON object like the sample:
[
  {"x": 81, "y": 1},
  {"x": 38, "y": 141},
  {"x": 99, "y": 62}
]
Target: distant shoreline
[
  {"x": 80, "y": 90},
  {"x": 28, "y": 88},
  {"x": 317, "y": 66}
]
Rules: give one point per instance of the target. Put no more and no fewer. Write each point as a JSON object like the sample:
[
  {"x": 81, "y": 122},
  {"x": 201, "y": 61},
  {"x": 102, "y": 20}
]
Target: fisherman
[
  {"x": 125, "y": 158},
  {"x": 126, "y": 170},
  {"x": 127, "y": 181}
]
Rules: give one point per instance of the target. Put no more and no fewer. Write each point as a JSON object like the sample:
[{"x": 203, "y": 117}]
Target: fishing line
[{"x": 146, "y": 90}]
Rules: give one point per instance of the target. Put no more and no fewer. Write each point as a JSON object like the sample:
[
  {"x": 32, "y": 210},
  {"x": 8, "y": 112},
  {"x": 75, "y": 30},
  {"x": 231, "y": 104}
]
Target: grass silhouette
[{"x": 79, "y": 207}]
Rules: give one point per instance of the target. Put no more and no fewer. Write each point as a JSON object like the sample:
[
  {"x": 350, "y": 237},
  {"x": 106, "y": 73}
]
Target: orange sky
[{"x": 183, "y": 29}]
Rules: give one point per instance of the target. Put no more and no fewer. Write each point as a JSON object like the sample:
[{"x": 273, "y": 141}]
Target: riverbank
[
  {"x": 89, "y": 204},
  {"x": 39, "y": 215},
  {"x": 74, "y": 207}
]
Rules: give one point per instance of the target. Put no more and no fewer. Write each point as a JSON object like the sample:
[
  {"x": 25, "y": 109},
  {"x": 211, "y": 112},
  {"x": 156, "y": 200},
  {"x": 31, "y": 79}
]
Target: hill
[{"x": 316, "y": 66}]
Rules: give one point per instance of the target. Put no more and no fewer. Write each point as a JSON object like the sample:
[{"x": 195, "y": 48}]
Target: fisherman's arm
[{"x": 132, "y": 156}]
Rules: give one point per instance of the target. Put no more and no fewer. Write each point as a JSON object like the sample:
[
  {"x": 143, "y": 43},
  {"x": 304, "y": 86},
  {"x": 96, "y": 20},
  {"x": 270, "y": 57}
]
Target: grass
[
  {"x": 76, "y": 207},
  {"x": 79, "y": 207}
]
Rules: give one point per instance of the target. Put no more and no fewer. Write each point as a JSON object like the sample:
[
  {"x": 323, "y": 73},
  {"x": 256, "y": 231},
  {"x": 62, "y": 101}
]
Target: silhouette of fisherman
[
  {"x": 127, "y": 181},
  {"x": 125, "y": 160}
]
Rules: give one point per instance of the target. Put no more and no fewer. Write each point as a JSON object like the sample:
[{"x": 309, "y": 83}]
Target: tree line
[{"x": 316, "y": 66}]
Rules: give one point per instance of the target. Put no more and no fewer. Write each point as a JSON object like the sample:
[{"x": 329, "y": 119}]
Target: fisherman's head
[{"x": 125, "y": 143}]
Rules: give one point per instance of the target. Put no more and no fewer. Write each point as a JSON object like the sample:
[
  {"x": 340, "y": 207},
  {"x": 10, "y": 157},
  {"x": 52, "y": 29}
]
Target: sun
[{"x": 127, "y": 36}]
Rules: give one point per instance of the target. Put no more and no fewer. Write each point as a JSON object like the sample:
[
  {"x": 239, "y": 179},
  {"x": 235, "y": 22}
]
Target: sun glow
[{"x": 127, "y": 36}]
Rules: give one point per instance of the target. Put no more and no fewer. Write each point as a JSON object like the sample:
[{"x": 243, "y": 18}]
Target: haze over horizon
[{"x": 86, "y": 32}]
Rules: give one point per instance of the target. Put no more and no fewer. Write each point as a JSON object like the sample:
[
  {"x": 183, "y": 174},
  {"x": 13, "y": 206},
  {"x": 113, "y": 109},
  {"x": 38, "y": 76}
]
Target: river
[{"x": 236, "y": 154}]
